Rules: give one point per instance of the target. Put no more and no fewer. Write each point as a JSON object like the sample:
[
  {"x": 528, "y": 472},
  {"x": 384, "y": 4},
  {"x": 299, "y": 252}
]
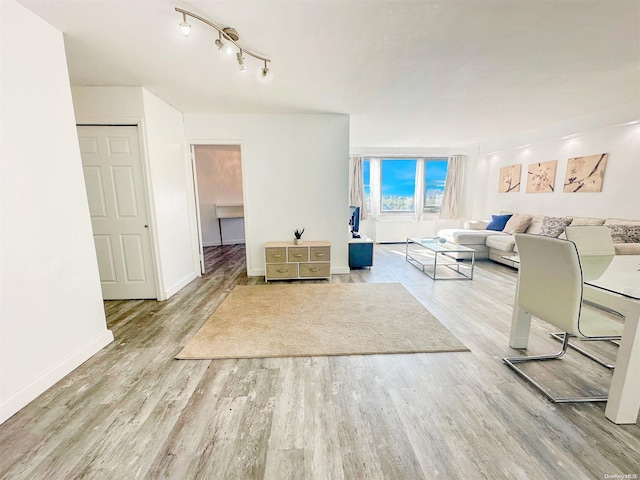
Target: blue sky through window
[
  {"x": 398, "y": 184},
  {"x": 398, "y": 177},
  {"x": 435, "y": 175}
]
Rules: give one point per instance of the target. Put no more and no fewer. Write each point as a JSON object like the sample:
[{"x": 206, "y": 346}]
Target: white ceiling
[{"x": 410, "y": 73}]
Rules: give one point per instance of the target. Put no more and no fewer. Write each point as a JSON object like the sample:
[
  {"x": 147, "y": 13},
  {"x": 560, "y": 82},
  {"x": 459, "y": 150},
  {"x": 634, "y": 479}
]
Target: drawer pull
[
  {"x": 297, "y": 254},
  {"x": 314, "y": 269},
  {"x": 319, "y": 254},
  {"x": 282, "y": 270},
  {"x": 276, "y": 255}
]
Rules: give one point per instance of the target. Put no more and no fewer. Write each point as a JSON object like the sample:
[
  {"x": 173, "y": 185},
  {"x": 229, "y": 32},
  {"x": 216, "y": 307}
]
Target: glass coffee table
[{"x": 435, "y": 259}]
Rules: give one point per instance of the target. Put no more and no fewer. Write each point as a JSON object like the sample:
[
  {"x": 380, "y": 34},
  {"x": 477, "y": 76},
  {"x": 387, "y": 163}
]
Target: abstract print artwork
[
  {"x": 585, "y": 174},
  {"x": 541, "y": 177},
  {"x": 509, "y": 179}
]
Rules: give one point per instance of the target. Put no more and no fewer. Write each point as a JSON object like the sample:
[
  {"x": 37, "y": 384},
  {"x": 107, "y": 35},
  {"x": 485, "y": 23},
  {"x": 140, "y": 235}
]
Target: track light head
[
  {"x": 243, "y": 67},
  {"x": 184, "y": 26},
  {"x": 264, "y": 71},
  {"x": 219, "y": 43},
  {"x": 264, "y": 74}
]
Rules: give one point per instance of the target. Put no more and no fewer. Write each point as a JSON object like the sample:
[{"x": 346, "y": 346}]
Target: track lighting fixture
[{"x": 227, "y": 38}]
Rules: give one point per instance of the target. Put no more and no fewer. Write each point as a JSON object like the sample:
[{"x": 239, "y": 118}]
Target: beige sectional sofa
[{"x": 495, "y": 245}]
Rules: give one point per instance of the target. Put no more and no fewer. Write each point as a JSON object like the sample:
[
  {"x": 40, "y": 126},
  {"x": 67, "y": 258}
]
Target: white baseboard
[
  {"x": 340, "y": 271},
  {"x": 180, "y": 285},
  {"x": 42, "y": 383}
]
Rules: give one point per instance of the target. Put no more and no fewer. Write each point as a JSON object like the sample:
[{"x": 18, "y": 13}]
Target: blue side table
[{"x": 360, "y": 252}]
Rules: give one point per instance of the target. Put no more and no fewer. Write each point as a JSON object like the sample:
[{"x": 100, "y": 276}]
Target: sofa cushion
[
  {"x": 621, "y": 221},
  {"x": 498, "y": 222},
  {"x": 467, "y": 237},
  {"x": 554, "y": 226},
  {"x": 586, "y": 221},
  {"x": 535, "y": 226},
  {"x": 625, "y": 233},
  {"x": 501, "y": 242},
  {"x": 476, "y": 224},
  {"x": 518, "y": 223}
]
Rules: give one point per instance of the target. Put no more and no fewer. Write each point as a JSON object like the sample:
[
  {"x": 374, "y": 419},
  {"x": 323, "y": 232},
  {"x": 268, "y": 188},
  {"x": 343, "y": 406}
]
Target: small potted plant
[{"x": 298, "y": 235}]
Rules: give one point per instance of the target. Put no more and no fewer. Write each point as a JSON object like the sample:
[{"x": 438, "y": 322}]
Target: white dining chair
[
  {"x": 550, "y": 287},
  {"x": 591, "y": 239}
]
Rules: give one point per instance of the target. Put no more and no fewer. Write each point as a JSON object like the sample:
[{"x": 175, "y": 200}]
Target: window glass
[
  {"x": 398, "y": 183},
  {"x": 435, "y": 175},
  {"x": 366, "y": 180}
]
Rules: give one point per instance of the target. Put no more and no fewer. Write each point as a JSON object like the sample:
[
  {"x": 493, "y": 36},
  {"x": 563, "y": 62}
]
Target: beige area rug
[{"x": 298, "y": 320}]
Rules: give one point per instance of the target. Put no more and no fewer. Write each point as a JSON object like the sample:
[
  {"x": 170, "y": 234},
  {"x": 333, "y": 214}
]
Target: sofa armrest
[{"x": 476, "y": 225}]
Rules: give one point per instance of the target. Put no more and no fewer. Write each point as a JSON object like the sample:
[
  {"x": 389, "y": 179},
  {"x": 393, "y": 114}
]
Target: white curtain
[
  {"x": 452, "y": 196},
  {"x": 418, "y": 196},
  {"x": 375, "y": 186},
  {"x": 356, "y": 186}
]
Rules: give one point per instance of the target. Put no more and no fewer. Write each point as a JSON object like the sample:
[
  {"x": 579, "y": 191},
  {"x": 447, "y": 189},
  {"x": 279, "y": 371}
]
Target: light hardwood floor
[{"x": 132, "y": 411}]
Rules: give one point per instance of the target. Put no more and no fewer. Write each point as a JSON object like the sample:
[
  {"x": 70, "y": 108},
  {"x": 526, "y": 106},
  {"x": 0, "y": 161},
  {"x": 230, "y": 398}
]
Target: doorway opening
[{"x": 217, "y": 173}]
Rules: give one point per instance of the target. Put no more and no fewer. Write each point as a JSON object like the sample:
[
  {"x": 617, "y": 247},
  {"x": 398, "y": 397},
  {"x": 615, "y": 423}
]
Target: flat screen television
[{"x": 354, "y": 221}]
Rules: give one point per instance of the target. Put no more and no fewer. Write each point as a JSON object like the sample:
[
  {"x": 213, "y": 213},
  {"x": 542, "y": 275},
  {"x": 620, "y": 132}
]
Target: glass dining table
[{"x": 612, "y": 281}]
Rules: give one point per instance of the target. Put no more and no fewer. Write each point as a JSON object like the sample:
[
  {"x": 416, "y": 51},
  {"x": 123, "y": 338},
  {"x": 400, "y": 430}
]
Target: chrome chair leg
[
  {"x": 614, "y": 340},
  {"x": 512, "y": 361},
  {"x": 611, "y": 366}
]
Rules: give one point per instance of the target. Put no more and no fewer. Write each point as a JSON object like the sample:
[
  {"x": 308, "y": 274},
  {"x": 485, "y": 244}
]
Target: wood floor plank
[{"x": 134, "y": 412}]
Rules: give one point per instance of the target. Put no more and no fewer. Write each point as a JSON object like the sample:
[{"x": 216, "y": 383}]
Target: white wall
[
  {"x": 605, "y": 132},
  {"x": 116, "y": 105},
  {"x": 171, "y": 184},
  {"x": 167, "y": 168},
  {"x": 51, "y": 312},
  {"x": 219, "y": 169},
  {"x": 295, "y": 173}
]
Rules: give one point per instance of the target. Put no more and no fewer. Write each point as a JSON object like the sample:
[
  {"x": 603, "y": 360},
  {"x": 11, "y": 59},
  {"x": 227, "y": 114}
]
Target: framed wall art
[
  {"x": 541, "y": 177},
  {"x": 509, "y": 180},
  {"x": 585, "y": 174}
]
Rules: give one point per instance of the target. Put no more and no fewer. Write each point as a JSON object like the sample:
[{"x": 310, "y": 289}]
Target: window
[
  {"x": 393, "y": 182},
  {"x": 435, "y": 173},
  {"x": 366, "y": 181},
  {"x": 398, "y": 185}
]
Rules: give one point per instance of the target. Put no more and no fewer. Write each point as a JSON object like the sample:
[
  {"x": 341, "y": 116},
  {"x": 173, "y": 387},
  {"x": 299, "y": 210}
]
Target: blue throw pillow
[{"x": 498, "y": 222}]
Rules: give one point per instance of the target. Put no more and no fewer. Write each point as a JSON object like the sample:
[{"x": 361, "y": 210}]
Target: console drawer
[
  {"x": 320, "y": 254},
  {"x": 282, "y": 270},
  {"x": 316, "y": 269},
  {"x": 298, "y": 254},
  {"x": 275, "y": 255}
]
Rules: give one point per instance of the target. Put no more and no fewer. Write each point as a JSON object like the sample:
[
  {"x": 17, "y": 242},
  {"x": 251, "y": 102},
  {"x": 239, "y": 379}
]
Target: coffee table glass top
[{"x": 434, "y": 245}]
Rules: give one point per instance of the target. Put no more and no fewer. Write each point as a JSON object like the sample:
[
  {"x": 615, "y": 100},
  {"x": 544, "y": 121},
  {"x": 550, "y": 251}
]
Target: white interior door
[{"x": 112, "y": 167}]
